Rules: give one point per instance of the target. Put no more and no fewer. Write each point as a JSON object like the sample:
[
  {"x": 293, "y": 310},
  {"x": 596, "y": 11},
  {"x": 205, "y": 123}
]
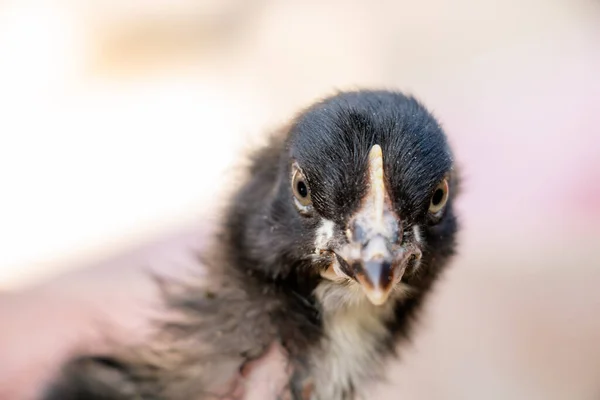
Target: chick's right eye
[{"x": 301, "y": 189}]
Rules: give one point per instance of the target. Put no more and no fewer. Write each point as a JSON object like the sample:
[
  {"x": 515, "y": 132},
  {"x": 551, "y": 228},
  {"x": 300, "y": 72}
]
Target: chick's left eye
[
  {"x": 439, "y": 197},
  {"x": 300, "y": 189}
]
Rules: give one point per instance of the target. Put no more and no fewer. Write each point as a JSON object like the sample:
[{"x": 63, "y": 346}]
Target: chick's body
[{"x": 328, "y": 248}]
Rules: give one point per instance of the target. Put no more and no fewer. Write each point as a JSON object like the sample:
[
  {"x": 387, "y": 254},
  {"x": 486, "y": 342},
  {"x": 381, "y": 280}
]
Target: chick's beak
[
  {"x": 374, "y": 255},
  {"x": 377, "y": 264},
  {"x": 375, "y": 270}
]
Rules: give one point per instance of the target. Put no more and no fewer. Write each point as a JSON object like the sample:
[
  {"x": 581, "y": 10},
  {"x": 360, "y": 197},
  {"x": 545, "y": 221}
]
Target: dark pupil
[
  {"x": 302, "y": 189},
  {"x": 437, "y": 197}
]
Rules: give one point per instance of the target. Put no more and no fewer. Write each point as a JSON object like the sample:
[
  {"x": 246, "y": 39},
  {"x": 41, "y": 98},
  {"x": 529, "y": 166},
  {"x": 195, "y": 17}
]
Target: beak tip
[
  {"x": 377, "y": 297},
  {"x": 376, "y": 279}
]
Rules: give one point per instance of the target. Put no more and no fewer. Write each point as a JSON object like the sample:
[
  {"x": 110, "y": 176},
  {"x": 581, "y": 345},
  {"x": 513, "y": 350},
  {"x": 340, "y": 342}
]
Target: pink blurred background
[{"x": 122, "y": 121}]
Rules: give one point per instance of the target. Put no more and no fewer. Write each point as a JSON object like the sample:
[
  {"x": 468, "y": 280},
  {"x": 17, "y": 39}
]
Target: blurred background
[{"x": 122, "y": 121}]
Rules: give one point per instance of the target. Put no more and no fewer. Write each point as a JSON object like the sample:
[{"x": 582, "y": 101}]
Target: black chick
[{"x": 328, "y": 248}]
